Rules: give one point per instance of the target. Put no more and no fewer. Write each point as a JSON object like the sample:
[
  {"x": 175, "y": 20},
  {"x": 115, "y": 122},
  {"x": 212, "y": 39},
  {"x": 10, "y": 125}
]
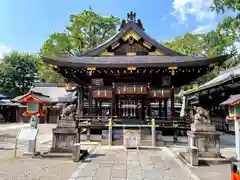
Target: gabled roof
[
  {"x": 232, "y": 99},
  {"x": 137, "y": 27},
  {"x": 108, "y": 54},
  {"x": 49, "y": 93},
  {"x": 36, "y": 95}
]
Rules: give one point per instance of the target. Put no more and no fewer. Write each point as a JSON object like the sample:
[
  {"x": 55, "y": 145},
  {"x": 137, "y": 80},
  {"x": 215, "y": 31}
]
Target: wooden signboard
[
  {"x": 131, "y": 131},
  {"x": 131, "y": 138},
  {"x": 166, "y": 81},
  {"x": 97, "y": 82}
]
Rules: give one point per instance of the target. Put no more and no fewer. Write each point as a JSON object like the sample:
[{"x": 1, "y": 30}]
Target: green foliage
[
  {"x": 47, "y": 74},
  {"x": 223, "y": 5},
  {"x": 189, "y": 44},
  {"x": 85, "y": 31},
  {"x": 18, "y": 72},
  {"x": 219, "y": 42}
]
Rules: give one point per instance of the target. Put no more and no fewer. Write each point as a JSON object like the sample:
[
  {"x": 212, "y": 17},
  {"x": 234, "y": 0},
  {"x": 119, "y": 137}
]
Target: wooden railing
[
  {"x": 92, "y": 120},
  {"x": 174, "y": 124}
]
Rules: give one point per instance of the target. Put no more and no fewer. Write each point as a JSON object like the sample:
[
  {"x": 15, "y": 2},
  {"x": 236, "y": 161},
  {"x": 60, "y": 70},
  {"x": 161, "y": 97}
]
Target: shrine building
[{"x": 132, "y": 72}]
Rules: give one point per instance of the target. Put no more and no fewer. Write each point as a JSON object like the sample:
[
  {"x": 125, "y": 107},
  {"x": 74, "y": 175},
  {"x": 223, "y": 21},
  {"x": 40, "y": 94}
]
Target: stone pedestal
[
  {"x": 206, "y": 139},
  {"x": 65, "y": 136},
  {"x": 203, "y": 128},
  {"x": 193, "y": 156}
]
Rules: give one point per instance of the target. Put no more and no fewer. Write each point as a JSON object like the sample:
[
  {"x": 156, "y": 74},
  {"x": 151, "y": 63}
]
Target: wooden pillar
[
  {"x": 142, "y": 110},
  {"x": 100, "y": 106},
  {"x": 117, "y": 107},
  {"x": 165, "y": 108},
  {"x": 90, "y": 100},
  {"x": 172, "y": 104},
  {"x": 96, "y": 106},
  {"x": 114, "y": 100},
  {"x": 160, "y": 108},
  {"x": 82, "y": 100},
  {"x": 148, "y": 113},
  {"x": 78, "y": 101}
]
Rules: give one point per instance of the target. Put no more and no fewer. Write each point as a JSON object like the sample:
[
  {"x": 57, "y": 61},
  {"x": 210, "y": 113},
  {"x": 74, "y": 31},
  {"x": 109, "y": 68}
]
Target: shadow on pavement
[{"x": 95, "y": 155}]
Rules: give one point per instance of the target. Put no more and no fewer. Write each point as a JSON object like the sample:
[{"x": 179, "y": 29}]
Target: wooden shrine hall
[{"x": 131, "y": 70}]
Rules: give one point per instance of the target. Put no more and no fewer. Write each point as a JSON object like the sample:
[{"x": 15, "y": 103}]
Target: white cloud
[
  {"x": 4, "y": 50},
  {"x": 204, "y": 29},
  {"x": 200, "y": 9}
]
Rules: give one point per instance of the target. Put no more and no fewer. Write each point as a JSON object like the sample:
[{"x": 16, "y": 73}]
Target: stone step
[
  {"x": 145, "y": 143},
  {"x": 146, "y": 137}
]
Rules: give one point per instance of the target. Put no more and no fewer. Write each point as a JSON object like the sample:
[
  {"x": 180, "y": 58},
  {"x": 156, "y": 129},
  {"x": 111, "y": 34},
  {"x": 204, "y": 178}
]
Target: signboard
[
  {"x": 97, "y": 81},
  {"x": 166, "y": 81},
  {"x": 28, "y": 134},
  {"x": 131, "y": 131}
]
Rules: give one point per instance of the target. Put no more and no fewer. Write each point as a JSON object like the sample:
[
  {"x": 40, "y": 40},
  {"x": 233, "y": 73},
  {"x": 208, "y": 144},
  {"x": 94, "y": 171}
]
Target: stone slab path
[{"x": 117, "y": 163}]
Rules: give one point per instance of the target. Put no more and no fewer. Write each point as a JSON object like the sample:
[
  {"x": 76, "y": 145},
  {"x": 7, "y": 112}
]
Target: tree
[
  {"x": 189, "y": 44},
  {"x": 47, "y": 74},
  {"x": 227, "y": 29},
  {"x": 85, "y": 31},
  {"x": 223, "y": 5},
  {"x": 18, "y": 72},
  {"x": 209, "y": 44}
]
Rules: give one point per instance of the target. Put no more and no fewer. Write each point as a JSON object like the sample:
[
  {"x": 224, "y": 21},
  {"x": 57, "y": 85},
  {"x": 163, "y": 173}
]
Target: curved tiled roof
[
  {"x": 131, "y": 25},
  {"x": 137, "y": 61},
  {"x": 223, "y": 77}
]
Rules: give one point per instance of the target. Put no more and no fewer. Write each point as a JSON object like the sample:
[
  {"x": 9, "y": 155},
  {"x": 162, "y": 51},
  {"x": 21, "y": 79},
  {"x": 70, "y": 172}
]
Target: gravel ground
[
  {"x": 43, "y": 129},
  {"x": 7, "y": 137},
  {"x": 25, "y": 168}
]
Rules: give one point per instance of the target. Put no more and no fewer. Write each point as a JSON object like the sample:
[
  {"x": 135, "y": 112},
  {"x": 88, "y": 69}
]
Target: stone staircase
[{"x": 146, "y": 137}]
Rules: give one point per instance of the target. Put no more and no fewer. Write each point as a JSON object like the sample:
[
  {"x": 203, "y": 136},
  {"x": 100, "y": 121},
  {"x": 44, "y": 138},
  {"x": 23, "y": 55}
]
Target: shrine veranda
[{"x": 131, "y": 79}]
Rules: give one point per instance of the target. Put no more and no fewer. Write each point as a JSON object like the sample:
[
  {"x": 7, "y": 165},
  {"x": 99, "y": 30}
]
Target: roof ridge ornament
[{"x": 131, "y": 18}]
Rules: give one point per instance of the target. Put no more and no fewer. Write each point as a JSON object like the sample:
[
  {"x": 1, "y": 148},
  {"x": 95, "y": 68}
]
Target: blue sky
[{"x": 26, "y": 24}]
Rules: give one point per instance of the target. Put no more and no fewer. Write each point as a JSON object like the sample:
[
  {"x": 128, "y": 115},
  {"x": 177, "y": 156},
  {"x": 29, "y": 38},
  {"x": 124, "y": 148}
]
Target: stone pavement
[
  {"x": 213, "y": 171},
  {"x": 116, "y": 163}
]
